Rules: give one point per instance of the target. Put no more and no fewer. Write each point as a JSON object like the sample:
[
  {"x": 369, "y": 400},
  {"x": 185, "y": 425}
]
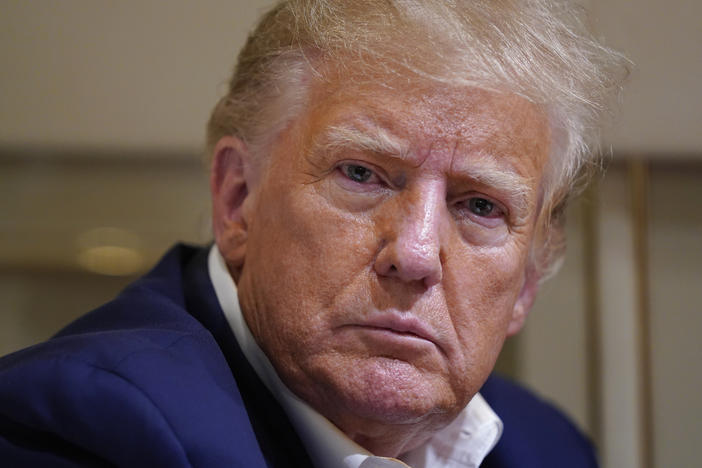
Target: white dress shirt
[{"x": 462, "y": 444}]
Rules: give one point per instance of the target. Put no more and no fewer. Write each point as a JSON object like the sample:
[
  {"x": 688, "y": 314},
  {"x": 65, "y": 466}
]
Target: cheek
[
  {"x": 482, "y": 286},
  {"x": 304, "y": 255},
  {"x": 331, "y": 244}
]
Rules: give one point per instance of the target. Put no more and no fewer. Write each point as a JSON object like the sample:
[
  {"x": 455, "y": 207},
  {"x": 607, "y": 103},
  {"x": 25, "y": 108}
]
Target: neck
[{"x": 395, "y": 439}]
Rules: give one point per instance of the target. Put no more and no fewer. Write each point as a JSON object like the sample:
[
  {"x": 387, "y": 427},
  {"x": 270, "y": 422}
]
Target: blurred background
[{"x": 103, "y": 106}]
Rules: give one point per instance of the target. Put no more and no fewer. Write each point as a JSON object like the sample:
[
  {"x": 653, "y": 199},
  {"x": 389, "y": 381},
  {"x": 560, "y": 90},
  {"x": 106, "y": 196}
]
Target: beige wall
[
  {"x": 145, "y": 73},
  {"x": 662, "y": 111},
  {"x": 50, "y": 204},
  {"x": 138, "y": 74},
  {"x": 676, "y": 313}
]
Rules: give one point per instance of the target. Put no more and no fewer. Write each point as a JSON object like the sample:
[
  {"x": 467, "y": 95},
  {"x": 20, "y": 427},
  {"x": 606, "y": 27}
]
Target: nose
[{"x": 412, "y": 232}]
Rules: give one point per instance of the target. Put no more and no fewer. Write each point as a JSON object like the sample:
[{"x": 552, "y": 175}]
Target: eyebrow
[{"x": 372, "y": 138}]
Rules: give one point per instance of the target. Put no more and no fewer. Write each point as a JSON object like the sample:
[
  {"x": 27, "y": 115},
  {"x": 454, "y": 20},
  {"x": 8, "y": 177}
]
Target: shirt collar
[{"x": 462, "y": 444}]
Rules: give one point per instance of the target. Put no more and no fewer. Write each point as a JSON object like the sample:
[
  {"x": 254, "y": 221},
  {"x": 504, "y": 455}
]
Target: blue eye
[
  {"x": 357, "y": 173},
  {"x": 481, "y": 207}
]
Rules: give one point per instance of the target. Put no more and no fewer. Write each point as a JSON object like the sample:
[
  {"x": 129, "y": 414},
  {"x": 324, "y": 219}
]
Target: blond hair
[{"x": 539, "y": 49}]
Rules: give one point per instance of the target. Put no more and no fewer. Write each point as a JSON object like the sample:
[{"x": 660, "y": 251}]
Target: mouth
[{"x": 399, "y": 326}]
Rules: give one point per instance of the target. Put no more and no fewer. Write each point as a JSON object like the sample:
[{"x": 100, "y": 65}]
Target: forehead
[{"x": 462, "y": 122}]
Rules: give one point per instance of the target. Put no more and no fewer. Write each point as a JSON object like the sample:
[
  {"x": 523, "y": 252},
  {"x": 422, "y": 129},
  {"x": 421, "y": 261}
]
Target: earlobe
[
  {"x": 524, "y": 302},
  {"x": 230, "y": 177}
]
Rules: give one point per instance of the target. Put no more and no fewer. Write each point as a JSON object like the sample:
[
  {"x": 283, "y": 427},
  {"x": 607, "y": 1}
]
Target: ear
[
  {"x": 230, "y": 183},
  {"x": 525, "y": 300}
]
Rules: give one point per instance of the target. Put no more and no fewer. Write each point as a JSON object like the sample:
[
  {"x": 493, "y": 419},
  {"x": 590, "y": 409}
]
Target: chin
[{"x": 392, "y": 391}]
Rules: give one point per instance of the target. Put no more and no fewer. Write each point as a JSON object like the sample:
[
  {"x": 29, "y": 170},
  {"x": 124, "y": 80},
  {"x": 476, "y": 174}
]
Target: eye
[
  {"x": 482, "y": 210},
  {"x": 357, "y": 173},
  {"x": 482, "y": 207}
]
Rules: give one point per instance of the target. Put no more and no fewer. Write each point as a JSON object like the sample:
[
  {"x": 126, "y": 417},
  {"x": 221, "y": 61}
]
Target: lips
[{"x": 400, "y": 324}]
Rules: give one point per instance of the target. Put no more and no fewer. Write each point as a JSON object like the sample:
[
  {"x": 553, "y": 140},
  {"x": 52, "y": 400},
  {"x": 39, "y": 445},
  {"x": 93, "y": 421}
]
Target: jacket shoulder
[
  {"x": 136, "y": 381},
  {"x": 536, "y": 433}
]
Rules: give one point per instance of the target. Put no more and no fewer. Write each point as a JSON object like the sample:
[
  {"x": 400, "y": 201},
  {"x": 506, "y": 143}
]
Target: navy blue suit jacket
[{"x": 156, "y": 378}]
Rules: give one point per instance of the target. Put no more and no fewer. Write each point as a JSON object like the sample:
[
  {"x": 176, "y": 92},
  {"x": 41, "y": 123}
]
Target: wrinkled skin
[{"x": 380, "y": 285}]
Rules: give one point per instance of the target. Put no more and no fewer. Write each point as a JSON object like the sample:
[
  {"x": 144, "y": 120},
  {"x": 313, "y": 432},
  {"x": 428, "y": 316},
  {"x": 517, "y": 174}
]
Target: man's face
[{"x": 387, "y": 248}]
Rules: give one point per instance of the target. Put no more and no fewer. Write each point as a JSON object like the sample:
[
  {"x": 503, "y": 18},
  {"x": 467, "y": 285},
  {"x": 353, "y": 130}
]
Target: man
[{"x": 388, "y": 182}]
